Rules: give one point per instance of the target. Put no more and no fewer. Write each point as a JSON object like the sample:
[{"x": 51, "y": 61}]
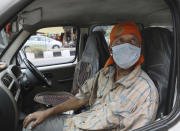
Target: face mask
[{"x": 126, "y": 55}]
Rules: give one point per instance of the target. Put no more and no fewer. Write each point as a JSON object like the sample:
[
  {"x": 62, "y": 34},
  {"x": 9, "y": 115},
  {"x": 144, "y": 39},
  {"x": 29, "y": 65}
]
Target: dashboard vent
[{"x": 6, "y": 79}]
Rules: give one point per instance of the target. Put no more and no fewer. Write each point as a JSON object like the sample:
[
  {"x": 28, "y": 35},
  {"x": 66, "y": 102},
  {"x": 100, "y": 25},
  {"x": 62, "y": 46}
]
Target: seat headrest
[
  {"x": 96, "y": 48},
  {"x": 93, "y": 59}
]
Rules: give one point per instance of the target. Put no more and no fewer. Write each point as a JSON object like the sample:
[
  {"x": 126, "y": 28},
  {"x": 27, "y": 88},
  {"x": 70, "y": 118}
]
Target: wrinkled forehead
[{"x": 127, "y": 36}]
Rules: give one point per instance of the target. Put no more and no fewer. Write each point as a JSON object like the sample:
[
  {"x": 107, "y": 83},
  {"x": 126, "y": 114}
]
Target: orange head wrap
[{"x": 122, "y": 29}]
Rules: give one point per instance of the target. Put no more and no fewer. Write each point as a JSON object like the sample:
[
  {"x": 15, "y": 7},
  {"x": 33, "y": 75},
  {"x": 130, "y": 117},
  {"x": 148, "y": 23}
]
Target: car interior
[{"x": 22, "y": 81}]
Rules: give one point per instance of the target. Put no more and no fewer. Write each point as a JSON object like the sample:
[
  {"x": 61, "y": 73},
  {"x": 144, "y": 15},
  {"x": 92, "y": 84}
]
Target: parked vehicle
[{"x": 43, "y": 41}]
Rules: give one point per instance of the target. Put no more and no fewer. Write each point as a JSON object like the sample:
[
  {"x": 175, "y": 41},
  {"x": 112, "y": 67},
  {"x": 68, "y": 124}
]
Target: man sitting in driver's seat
[{"x": 121, "y": 96}]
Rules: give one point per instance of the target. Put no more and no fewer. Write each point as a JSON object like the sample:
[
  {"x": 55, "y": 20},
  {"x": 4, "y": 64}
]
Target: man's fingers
[
  {"x": 24, "y": 122},
  {"x": 27, "y": 120},
  {"x": 34, "y": 124}
]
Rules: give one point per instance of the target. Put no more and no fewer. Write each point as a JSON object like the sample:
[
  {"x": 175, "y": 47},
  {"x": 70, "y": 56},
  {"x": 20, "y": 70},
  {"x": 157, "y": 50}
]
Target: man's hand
[{"x": 38, "y": 117}]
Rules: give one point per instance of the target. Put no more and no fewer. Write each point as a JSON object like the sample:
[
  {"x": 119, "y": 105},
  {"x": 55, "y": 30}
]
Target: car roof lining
[{"x": 89, "y": 12}]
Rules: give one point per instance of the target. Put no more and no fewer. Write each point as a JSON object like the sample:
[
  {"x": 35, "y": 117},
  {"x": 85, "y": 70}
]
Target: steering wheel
[{"x": 40, "y": 76}]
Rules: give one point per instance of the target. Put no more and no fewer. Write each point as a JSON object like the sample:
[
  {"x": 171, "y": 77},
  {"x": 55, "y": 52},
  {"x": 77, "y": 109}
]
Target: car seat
[
  {"x": 157, "y": 46},
  {"x": 93, "y": 59}
]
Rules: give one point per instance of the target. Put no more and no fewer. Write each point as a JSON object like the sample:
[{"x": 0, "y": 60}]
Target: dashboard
[{"x": 10, "y": 79}]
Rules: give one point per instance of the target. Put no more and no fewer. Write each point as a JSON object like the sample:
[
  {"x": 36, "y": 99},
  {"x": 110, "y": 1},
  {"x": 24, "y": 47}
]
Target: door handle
[{"x": 65, "y": 80}]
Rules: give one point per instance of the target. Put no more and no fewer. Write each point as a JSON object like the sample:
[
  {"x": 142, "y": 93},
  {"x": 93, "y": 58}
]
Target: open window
[{"x": 51, "y": 46}]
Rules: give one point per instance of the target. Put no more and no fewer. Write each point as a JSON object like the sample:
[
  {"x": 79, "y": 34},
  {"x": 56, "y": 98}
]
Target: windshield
[{"x": 9, "y": 32}]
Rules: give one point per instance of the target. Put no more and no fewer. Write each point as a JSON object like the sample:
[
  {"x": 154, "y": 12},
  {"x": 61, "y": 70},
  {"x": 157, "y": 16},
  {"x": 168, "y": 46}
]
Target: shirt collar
[
  {"x": 109, "y": 72},
  {"x": 127, "y": 80}
]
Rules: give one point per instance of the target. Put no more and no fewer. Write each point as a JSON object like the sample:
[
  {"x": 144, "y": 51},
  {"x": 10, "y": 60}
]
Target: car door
[{"x": 57, "y": 64}]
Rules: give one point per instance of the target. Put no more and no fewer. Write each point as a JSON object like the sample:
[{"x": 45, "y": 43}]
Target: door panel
[
  {"x": 51, "y": 61},
  {"x": 61, "y": 78}
]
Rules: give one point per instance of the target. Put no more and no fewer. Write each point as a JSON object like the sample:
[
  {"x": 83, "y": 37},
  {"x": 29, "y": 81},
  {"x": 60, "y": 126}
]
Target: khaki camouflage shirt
[{"x": 127, "y": 104}]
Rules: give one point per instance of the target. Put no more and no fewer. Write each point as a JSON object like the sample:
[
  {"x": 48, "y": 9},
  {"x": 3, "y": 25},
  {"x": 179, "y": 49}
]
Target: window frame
[{"x": 63, "y": 63}]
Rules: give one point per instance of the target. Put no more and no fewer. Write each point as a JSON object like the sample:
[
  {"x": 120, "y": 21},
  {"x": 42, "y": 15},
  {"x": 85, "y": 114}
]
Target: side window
[
  {"x": 50, "y": 46},
  {"x": 106, "y": 29}
]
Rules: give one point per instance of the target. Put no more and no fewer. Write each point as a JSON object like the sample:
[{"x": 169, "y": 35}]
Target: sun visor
[{"x": 31, "y": 17}]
